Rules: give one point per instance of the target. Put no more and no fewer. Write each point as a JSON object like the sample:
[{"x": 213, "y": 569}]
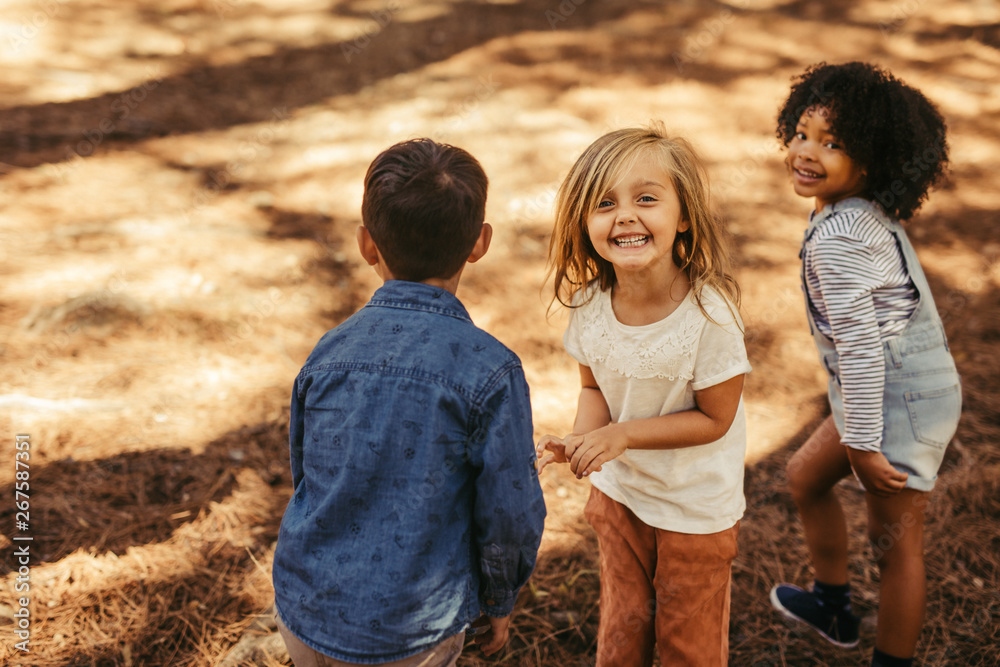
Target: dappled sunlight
[
  {"x": 771, "y": 429},
  {"x": 180, "y": 185}
]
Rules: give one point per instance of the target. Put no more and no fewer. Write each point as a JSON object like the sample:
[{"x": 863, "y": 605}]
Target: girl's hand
[
  {"x": 550, "y": 449},
  {"x": 589, "y": 452},
  {"x": 876, "y": 473}
]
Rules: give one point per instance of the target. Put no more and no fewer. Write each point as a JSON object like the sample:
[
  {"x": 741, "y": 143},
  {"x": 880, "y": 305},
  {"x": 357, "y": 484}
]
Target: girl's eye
[
  {"x": 647, "y": 198},
  {"x": 801, "y": 136},
  {"x": 604, "y": 203},
  {"x": 833, "y": 145}
]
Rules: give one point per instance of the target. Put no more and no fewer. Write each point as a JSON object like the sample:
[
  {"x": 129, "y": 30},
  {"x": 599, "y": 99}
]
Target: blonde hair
[{"x": 701, "y": 251}]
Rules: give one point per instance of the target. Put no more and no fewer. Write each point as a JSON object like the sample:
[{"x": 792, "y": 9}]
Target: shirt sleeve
[
  {"x": 847, "y": 274},
  {"x": 509, "y": 512},
  {"x": 722, "y": 351},
  {"x": 296, "y": 432}
]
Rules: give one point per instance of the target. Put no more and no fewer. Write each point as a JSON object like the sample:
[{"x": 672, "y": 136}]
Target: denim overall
[{"x": 923, "y": 396}]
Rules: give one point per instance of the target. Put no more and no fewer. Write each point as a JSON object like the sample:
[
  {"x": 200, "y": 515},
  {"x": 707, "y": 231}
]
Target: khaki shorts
[{"x": 444, "y": 654}]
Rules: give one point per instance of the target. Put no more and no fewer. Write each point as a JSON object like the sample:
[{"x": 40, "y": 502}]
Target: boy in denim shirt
[{"x": 416, "y": 507}]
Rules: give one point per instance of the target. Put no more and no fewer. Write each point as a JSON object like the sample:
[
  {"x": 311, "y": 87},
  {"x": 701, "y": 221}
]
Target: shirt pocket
[{"x": 934, "y": 413}]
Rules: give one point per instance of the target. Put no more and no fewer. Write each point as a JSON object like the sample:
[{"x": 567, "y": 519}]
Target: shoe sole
[{"x": 776, "y": 603}]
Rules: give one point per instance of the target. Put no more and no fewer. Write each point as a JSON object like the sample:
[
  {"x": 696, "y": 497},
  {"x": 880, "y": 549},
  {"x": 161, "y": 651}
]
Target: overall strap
[
  {"x": 925, "y": 319},
  {"x": 926, "y": 309}
]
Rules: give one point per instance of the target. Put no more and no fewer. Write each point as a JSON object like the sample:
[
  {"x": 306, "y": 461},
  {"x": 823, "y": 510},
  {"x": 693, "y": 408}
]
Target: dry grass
[{"x": 163, "y": 283}]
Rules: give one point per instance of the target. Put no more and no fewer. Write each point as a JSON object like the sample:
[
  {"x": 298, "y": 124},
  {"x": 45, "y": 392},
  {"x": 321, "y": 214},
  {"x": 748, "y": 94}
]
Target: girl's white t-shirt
[{"x": 652, "y": 370}]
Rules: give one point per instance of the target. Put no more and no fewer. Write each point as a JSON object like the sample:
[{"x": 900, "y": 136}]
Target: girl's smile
[
  {"x": 630, "y": 240},
  {"x": 807, "y": 176}
]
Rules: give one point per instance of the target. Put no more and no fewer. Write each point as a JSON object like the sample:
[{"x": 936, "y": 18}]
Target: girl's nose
[
  {"x": 625, "y": 215},
  {"x": 807, "y": 151}
]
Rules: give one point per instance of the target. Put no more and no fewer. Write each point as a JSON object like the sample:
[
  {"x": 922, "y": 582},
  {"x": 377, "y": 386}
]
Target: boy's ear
[
  {"x": 482, "y": 243},
  {"x": 366, "y": 244}
]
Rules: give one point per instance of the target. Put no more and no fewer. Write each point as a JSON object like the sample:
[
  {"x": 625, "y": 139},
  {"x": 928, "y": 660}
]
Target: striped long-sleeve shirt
[{"x": 860, "y": 294}]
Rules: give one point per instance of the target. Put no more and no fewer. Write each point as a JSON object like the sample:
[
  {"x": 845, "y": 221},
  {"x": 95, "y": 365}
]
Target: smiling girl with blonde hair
[{"x": 660, "y": 431}]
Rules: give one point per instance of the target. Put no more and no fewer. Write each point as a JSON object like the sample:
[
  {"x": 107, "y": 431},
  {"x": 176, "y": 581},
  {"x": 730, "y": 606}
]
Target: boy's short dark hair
[
  {"x": 424, "y": 206},
  {"x": 888, "y": 128}
]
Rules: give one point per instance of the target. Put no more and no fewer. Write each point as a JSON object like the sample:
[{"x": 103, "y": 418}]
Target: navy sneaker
[{"x": 840, "y": 628}]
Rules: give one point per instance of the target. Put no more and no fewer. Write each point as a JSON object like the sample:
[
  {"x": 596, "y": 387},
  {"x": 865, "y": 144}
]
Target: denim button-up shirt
[{"x": 416, "y": 503}]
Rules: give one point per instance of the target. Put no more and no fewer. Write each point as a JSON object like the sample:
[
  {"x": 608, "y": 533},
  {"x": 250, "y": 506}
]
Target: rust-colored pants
[{"x": 660, "y": 588}]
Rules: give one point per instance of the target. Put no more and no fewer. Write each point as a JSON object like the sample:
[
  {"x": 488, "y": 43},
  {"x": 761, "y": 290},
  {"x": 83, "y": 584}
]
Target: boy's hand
[
  {"x": 876, "y": 473},
  {"x": 550, "y": 449},
  {"x": 491, "y": 633},
  {"x": 588, "y": 453}
]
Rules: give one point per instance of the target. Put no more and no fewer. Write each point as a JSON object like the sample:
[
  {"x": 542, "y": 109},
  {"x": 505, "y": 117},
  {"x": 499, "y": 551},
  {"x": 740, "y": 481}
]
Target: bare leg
[
  {"x": 896, "y": 531},
  {"x": 812, "y": 472}
]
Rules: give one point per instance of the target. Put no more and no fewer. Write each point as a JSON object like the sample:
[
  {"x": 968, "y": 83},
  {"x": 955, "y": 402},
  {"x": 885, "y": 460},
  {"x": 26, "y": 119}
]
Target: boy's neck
[
  {"x": 447, "y": 284},
  {"x": 371, "y": 254}
]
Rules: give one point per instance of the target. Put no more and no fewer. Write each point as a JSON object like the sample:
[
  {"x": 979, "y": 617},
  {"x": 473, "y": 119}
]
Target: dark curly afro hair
[{"x": 888, "y": 128}]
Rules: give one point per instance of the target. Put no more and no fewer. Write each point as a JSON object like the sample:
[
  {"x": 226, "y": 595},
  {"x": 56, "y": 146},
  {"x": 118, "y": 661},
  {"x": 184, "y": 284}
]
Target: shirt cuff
[
  {"x": 497, "y": 604},
  {"x": 863, "y": 447}
]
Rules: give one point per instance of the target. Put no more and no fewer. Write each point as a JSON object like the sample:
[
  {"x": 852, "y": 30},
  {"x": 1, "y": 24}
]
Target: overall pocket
[
  {"x": 934, "y": 413},
  {"x": 832, "y": 364}
]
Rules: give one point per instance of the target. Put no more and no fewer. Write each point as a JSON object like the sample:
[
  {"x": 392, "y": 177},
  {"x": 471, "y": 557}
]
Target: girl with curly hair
[{"x": 867, "y": 148}]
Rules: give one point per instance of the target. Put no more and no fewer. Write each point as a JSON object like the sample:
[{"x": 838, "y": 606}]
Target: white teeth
[
  {"x": 810, "y": 174},
  {"x": 630, "y": 242}
]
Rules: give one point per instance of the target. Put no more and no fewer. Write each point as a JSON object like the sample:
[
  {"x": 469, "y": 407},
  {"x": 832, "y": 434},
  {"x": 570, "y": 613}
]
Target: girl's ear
[{"x": 683, "y": 225}]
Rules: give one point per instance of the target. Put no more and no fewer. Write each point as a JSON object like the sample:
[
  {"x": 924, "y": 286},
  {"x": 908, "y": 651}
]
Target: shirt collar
[
  {"x": 418, "y": 296},
  {"x": 817, "y": 217}
]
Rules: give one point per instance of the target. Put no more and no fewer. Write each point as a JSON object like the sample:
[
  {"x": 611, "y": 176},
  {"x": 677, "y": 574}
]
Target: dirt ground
[{"x": 180, "y": 181}]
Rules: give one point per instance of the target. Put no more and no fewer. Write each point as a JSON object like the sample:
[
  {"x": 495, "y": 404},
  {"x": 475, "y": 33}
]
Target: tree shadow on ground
[
  {"x": 206, "y": 98},
  {"x": 141, "y": 497}
]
